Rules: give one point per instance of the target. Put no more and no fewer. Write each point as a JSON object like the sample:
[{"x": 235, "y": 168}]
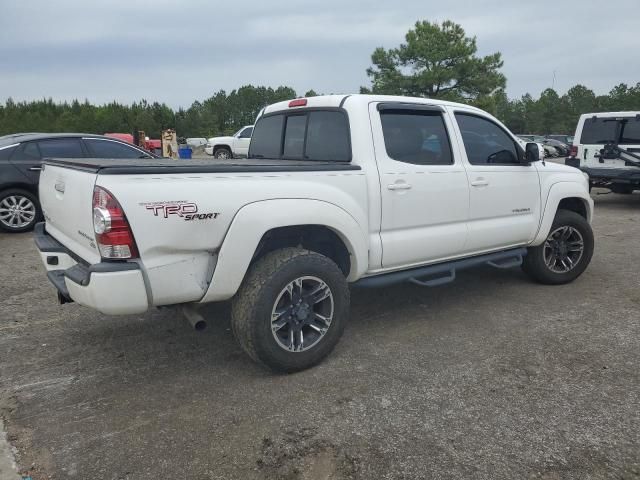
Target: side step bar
[{"x": 441, "y": 273}]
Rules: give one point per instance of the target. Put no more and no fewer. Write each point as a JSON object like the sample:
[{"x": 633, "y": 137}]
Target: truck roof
[{"x": 333, "y": 101}]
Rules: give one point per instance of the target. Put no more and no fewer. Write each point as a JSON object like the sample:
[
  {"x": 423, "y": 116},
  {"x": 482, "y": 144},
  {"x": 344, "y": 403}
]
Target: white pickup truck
[
  {"x": 235, "y": 146},
  {"x": 337, "y": 190}
]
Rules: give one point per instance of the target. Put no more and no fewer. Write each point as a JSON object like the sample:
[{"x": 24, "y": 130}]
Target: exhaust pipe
[{"x": 195, "y": 319}]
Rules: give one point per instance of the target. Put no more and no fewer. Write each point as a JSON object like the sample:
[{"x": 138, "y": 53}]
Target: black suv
[{"x": 21, "y": 156}]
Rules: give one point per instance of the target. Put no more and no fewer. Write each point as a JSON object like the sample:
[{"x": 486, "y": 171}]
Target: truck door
[
  {"x": 241, "y": 144},
  {"x": 424, "y": 188},
  {"x": 504, "y": 192}
]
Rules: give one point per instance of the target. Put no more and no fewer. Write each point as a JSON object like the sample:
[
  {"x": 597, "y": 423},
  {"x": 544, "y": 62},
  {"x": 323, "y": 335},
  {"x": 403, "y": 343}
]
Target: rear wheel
[
  {"x": 291, "y": 309},
  {"x": 19, "y": 211},
  {"x": 566, "y": 252}
]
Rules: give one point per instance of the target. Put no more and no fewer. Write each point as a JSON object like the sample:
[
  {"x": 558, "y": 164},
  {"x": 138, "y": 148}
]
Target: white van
[{"x": 607, "y": 147}]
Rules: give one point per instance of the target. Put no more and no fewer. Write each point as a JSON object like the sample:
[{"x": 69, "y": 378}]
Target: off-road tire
[
  {"x": 534, "y": 264},
  {"x": 253, "y": 303},
  {"x": 16, "y": 192}
]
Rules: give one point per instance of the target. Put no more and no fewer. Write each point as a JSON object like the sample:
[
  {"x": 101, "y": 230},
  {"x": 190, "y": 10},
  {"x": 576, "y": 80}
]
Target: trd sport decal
[{"x": 181, "y": 208}]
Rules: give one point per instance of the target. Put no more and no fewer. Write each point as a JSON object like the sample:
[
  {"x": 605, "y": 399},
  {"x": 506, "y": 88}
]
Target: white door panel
[
  {"x": 505, "y": 208},
  {"x": 504, "y": 199},
  {"x": 424, "y": 207}
]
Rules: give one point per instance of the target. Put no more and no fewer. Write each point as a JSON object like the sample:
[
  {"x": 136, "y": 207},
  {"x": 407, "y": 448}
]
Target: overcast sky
[{"x": 178, "y": 52}]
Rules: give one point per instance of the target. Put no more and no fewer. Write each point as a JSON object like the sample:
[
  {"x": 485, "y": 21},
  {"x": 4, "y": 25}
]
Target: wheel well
[
  {"x": 221, "y": 146},
  {"x": 573, "y": 204},
  {"x": 33, "y": 189},
  {"x": 316, "y": 238}
]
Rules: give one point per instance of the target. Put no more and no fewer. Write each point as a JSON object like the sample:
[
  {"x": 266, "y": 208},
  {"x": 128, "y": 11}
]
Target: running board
[{"x": 441, "y": 273}]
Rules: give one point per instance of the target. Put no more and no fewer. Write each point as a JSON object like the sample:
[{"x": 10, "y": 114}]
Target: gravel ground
[{"x": 490, "y": 377}]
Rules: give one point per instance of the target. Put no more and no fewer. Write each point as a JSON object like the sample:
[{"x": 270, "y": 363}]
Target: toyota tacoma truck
[{"x": 337, "y": 191}]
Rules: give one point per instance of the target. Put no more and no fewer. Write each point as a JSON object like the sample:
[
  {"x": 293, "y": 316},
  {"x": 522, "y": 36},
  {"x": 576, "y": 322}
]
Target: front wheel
[
  {"x": 566, "y": 252},
  {"x": 291, "y": 309},
  {"x": 222, "y": 153},
  {"x": 19, "y": 211}
]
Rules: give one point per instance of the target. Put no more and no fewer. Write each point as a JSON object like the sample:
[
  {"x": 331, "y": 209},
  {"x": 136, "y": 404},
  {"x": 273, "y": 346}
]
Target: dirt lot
[{"x": 491, "y": 377}]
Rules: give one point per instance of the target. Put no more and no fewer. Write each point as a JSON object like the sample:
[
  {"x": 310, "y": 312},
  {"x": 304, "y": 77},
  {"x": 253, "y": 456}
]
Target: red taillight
[
  {"x": 574, "y": 151},
  {"x": 298, "y": 102},
  {"x": 113, "y": 233}
]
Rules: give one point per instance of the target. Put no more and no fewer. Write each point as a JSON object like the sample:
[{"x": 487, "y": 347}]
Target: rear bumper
[
  {"x": 615, "y": 175},
  {"x": 113, "y": 288}
]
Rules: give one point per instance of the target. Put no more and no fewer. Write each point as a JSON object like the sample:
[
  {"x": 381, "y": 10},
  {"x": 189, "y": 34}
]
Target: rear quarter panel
[{"x": 180, "y": 255}]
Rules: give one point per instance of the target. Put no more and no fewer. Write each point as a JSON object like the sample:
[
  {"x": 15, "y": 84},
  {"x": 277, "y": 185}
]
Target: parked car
[
  {"x": 549, "y": 150},
  {"x": 196, "y": 142},
  {"x": 562, "y": 148},
  {"x": 234, "y": 146},
  {"x": 20, "y": 163},
  {"x": 283, "y": 233},
  {"x": 607, "y": 148},
  {"x": 566, "y": 139}
]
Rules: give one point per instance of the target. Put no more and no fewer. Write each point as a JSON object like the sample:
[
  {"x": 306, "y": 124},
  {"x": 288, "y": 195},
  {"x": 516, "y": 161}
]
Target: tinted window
[
  {"x": 631, "y": 132},
  {"x": 109, "y": 149},
  {"x": 294, "y": 136},
  {"x": 61, "y": 148},
  {"x": 5, "y": 153},
  {"x": 323, "y": 137},
  {"x": 267, "y": 135},
  {"x": 598, "y": 131},
  {"x": 30, "y": 151},
  {"x": 485, "y": 142},
  {"x": 246, "y": 133},
  {"x": 328, "y": 137},
  {"x": 418, "y": 137}
]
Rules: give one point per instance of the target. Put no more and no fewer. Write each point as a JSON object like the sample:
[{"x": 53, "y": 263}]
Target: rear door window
[
  {"x": 315, "y": 135},
  {"x": 416, "y": 136},
  {"x": 61, "y": 148}
]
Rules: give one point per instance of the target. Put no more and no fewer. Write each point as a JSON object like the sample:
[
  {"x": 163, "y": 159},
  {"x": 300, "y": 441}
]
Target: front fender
[
  {"x": 557, "y": 193},
  {"x": 255, "y": 219}
]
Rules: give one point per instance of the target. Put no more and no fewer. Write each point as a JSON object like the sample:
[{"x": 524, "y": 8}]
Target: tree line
[{"x": 437, "y": 61}]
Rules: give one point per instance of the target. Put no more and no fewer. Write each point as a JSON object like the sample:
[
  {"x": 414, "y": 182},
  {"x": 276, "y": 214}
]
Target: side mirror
[{"x": 533, "y": 152}]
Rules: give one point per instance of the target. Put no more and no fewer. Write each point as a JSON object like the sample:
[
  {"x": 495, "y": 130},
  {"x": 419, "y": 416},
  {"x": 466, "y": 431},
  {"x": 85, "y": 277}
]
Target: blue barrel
[{"x": 184, "y": 153}]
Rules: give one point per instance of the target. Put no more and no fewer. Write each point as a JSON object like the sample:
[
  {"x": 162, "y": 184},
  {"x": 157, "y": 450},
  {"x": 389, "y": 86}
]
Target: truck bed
[{"x": 166, "y": 165}]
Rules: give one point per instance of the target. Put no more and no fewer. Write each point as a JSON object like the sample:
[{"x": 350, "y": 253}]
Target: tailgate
[{"x": 66, "y": 197}]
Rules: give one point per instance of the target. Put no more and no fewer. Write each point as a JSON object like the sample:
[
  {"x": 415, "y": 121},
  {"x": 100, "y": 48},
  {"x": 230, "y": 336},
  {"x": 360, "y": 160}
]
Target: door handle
[
  {"x": 584, "y": 154},
  {"x": 399, "y": 186},
  {"x": 480, "y": 182},
  {"x": 35, "y": 169}
]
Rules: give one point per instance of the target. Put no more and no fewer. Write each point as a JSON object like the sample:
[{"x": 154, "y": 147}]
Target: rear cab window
[{"x": 320, "y": 135}]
